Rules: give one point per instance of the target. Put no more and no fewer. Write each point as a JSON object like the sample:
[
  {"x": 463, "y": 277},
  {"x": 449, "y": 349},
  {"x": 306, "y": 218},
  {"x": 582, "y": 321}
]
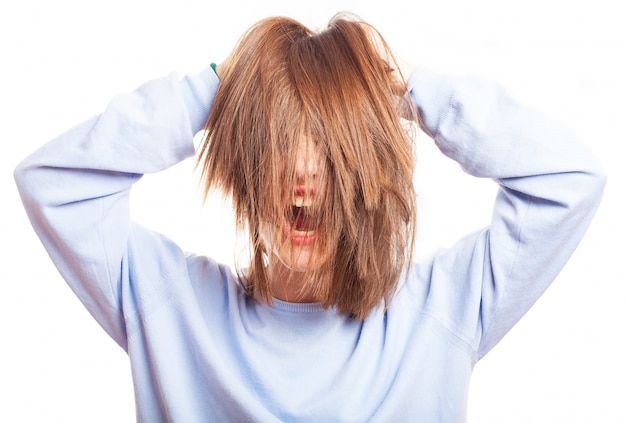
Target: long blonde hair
[{"x": 285, "y": 83}]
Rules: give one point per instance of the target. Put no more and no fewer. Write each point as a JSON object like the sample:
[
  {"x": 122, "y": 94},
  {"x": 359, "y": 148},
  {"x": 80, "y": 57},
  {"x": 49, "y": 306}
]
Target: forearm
[
  {"x": 477, "y": 124},
  {"x": 144, "y": 131}
]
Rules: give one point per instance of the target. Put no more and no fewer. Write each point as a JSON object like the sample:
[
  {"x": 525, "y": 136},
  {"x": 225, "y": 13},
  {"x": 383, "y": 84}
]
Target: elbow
[
  {"x": 596, "y": 182},
  {"x": 26, "y": 179},
  {"x": 590, "y": 187},
  {"x": 20, "y": 175}
]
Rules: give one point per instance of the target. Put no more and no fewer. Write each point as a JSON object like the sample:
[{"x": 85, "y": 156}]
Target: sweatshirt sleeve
[
  {"x": 549, "y": 188},
  {"x": 75, "y": 188}
]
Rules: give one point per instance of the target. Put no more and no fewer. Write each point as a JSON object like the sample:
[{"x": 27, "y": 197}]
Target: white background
[{"x": 61, "y": 61}]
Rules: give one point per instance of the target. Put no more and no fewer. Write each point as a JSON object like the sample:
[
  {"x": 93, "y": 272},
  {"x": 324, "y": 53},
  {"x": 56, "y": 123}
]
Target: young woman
[{"x": 309, "y": 134}]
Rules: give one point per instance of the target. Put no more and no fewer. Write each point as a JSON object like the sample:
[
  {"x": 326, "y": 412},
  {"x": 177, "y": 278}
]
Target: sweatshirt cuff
[
  {"x": 431, "y": 94},
  {"x": 199, "y": 93}
]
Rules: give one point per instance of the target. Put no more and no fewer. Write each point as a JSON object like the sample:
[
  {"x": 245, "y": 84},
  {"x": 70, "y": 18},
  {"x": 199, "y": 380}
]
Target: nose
[{"x": 307, "y": 163}]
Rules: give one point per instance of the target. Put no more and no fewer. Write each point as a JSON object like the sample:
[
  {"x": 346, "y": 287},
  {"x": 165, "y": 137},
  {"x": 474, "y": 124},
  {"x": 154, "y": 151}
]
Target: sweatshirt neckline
[{"x": 290, "y": 307}]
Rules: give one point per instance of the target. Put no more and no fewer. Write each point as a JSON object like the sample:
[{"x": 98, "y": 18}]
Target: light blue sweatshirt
[{"x": 201, "y": 351}]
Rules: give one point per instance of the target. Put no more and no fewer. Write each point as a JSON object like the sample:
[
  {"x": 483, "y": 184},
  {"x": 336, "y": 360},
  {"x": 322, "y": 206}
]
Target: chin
[{"x": 300, "y": 259}]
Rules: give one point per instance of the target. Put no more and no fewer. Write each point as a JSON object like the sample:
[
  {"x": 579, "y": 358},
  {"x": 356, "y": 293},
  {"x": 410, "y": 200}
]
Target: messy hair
[{"x": 285, "y": 83}]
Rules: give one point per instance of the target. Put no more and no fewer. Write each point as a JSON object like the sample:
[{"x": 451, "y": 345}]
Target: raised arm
[
  {"x": 75, "y": 188},
  {"x": 549, "y": 188}
]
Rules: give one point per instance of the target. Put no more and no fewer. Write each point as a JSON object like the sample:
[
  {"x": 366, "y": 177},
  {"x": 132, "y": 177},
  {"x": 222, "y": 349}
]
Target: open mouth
[
  {"x": 302, "y": 223},
  {"x": 301, "y": 218}
]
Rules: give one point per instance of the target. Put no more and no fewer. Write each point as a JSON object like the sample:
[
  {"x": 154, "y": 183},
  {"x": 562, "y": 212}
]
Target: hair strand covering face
[{"x": 284, "y": 85}]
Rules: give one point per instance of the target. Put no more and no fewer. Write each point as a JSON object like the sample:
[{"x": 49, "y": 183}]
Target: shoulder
[{"x": 447, "y": 286}]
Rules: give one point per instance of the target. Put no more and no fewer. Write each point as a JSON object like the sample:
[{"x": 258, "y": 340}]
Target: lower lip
[{"x": 297, "y": 237}]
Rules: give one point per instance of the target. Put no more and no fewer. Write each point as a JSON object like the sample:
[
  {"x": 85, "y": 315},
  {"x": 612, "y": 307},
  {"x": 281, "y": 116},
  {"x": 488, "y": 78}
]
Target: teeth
[{"x": 302, "y": 202}]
